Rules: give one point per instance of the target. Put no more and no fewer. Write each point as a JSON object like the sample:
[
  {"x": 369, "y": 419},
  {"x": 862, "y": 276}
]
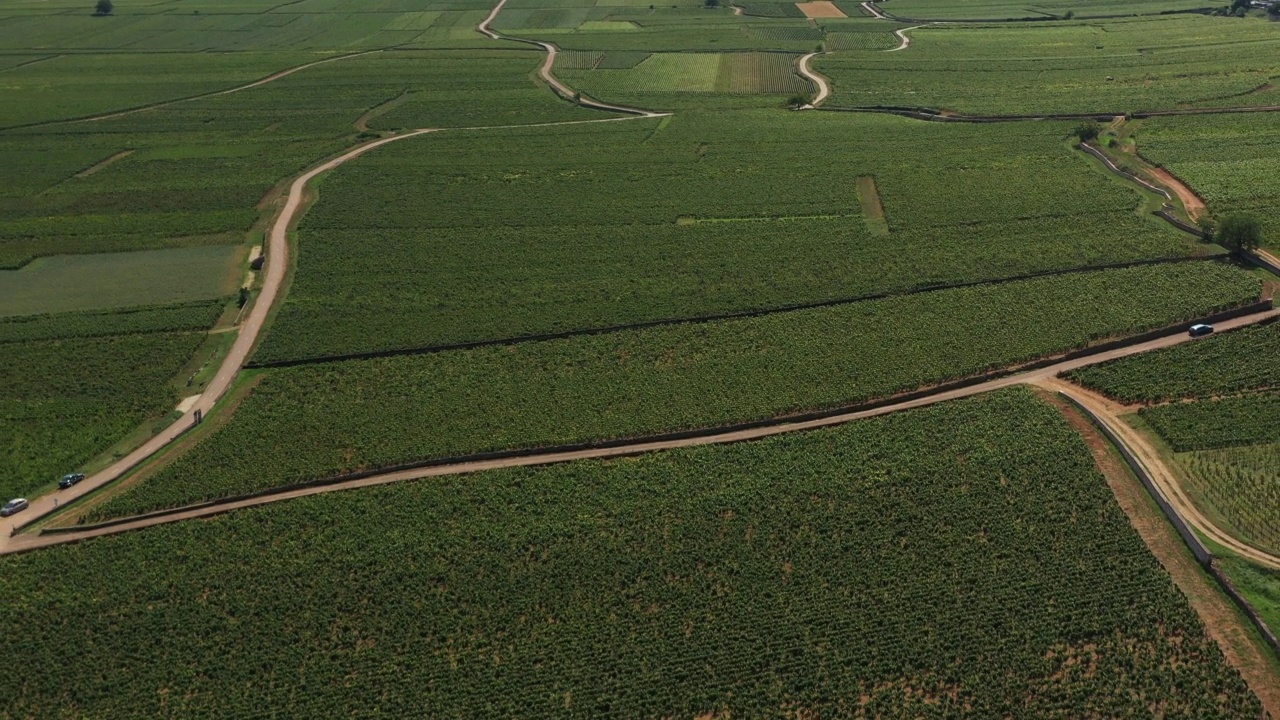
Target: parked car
[
  {"x": 13, "y": 506},
  {"x": 1200, "y": 329},
  {"x": 70, "y": 479}
]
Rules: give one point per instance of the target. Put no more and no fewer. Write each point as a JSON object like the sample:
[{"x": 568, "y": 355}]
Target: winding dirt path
[
  {"x": 904, "y": 42},
  {"x": 824, "y": 89},
  {"x": 545, "y": 72},
  {"x": 217, "y": 93},
  {"x": 1192, "y": 202},
  {"x": 22, "y": 543},
  {"x": 1160, "y": 473}
]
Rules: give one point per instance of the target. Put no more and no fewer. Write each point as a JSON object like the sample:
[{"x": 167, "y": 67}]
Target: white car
[{"x": 13, "y": 506}]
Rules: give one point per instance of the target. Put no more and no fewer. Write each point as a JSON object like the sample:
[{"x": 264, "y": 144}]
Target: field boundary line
[
  {"x": 216, "y": 93},
  {"x": 934, "y": 115},
  {"x": 1202, "y": 554},
  {"x": 1033, "y": 372},
  {"x": 871, "y": 6},
  {"x": 718, "y": 317}
]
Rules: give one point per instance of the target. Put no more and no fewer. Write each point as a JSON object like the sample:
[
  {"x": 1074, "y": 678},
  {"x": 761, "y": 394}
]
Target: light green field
[
  {"x": 1241, "y": 484},
  {"x": 110, "y": 280}
]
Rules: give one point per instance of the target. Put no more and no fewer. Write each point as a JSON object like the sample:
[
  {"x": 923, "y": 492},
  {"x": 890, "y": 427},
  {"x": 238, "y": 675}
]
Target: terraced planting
[
  {"x": 705, "y": 215},
  {"x": 986, "y": 568},
  {"x": 1234, "y": 362},
  {"x": 652, "y": 381}
]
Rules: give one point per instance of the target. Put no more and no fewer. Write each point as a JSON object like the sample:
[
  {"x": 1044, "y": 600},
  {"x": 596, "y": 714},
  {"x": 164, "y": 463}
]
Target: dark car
[
  {"x": 69, "y": 480},
  {"x": 1200, "y": 329},
  {"x": 13, "y": 506}
]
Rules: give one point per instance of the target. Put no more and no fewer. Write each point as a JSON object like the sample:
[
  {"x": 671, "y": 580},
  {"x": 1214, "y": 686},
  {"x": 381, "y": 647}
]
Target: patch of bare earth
[
  {"x": 1219, "y": 616},
  {"x": 1192, "y": 202},
  {"x": 872, "y": 209},
  {"x": 820, "y": 9}
]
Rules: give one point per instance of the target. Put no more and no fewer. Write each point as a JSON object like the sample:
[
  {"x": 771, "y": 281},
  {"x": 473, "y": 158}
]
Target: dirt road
[
  {"x": 871, "y": 8},
  {"x": 1192, "y": 202},
  {"x": 545, "y": 72},
  {"x": 22, "y": 543},
  {"x": 802, "y": 66},
  {"x": 904, "y": 42},
  {"x": 1164, "y": 478},
  {"x": 277, "y": 263}
]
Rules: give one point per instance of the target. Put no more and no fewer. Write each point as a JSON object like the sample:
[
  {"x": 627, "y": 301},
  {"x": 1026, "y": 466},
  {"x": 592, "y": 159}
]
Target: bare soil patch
[
  {"x": 1194, "y": 205},
  {"x": 872, "y": 210},
  {"x": 1221, "y": 619},
  {"x": 820, "y": 9}
]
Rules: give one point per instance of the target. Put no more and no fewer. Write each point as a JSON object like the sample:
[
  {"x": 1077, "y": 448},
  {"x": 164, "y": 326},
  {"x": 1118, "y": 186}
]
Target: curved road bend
[
  {"x": 823, "y": 88},
  {"x": 904, "y": 42},
  {"x": 278, "y": 262},
  {"x": 1161, "y": 475},
  {"x": 22, "y": 543},
  {"x": 560, "y": 88}
]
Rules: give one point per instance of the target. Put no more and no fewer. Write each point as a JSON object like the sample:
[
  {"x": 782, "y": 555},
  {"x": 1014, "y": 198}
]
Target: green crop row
[
  {"x": 1240, "y": 483},
  {"x": 1241, "y": 360},
  {"x": 129, "y": 321},
  {"x": 882, "y": 569},
  {"x": 462, "y": 237},
  {"x": 66, "y": 401},
  {"x": 321, "y": 420},
  {"x": 1208, "y": 424}
]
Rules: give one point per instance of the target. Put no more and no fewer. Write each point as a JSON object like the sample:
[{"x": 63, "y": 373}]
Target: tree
[
  {"x": 1087, "y": 131},
  {"x": 104, "y": 7},
  {"x": 1209, "y": 227},
  {"x": 1239, "y": 231}
]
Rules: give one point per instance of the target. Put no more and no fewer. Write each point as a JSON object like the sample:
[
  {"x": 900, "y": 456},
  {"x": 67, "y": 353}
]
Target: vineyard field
[
  {"x": 728, "y": 73},
  {"x": 199, "y": 315},
  {"x": 1209, "y": 424},
  {"x": 1130, "y": 66},
  {"x": 1243, "y": 485},
  {"x": 1238, "y": 361},
  {"x": 882, "y": 568},
  {"x": 637, "y": 383},
  {"x": 456, "y": 238},
  {"x": 93, "y": 282},
  {"x": 1235, "y": 175},
  {"x": 66, "y": 401}
]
